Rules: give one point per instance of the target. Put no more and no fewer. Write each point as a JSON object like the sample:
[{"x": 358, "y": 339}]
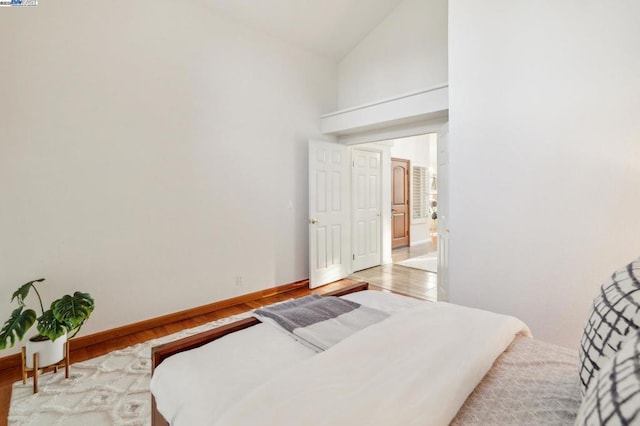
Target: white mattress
[{"x": 228, "y": 368}]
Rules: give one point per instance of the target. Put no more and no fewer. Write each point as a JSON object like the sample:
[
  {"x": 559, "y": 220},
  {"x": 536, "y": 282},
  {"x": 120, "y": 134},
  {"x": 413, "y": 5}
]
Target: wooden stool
[{"x": 36, "y": 370}]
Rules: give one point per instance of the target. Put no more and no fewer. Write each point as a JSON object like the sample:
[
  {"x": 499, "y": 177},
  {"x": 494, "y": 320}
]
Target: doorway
[
  {"x": 420, "y": 228},
  {"x": 409, "y": 197},
  {"x": 408, "y": 201},
  {"x": 419, "y": 250}
]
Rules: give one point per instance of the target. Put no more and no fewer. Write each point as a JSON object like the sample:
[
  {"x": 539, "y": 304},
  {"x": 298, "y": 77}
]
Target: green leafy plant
[{"x": 65, "y": 315}]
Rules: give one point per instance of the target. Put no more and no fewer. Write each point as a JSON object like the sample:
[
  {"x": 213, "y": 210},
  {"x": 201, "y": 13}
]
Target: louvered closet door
[
  {"x": 366, "y": 192},
  {"x": 419, "y": 193},
  {"x": 328, "y": 213}
]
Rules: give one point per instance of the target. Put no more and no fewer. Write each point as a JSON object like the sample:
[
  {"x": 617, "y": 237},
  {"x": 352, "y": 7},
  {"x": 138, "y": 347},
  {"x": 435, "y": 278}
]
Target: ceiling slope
[{"x": 328, "y": 27}]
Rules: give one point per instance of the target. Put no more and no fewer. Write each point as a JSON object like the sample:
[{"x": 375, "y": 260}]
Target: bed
[{"x": 488, "y": 371}]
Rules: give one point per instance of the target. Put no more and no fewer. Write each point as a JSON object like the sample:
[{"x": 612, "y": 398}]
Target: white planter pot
[{"x": 49, "y": 352}]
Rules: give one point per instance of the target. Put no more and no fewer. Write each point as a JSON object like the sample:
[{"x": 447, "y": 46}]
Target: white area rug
[
  {"x": 109, "y": 390},
  {"x": 426, "y": 262}
]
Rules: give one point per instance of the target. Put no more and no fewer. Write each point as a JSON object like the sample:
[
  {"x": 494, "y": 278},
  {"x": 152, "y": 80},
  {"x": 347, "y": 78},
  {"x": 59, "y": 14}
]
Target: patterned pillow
[
  {"x": 615, "y": 313},
  {"x": 614, "y": 395}
]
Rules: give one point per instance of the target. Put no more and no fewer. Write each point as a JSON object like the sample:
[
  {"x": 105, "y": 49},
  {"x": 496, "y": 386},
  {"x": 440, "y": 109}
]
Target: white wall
[
  {"x": 544, "y": 155},
  {"x": 151, "y": 151},
  {"x": 405, "y": 53},
  {"x": 417, "y": 150}
]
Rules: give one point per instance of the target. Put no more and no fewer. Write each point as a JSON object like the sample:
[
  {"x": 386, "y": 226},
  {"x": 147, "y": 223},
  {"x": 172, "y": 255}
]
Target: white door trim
[{"x": 443, "y": 212}]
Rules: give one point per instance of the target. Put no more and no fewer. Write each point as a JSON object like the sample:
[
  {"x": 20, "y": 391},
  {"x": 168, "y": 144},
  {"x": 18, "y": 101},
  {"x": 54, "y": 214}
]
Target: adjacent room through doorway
[
  {"x": 412, "y": 199},
  {"x": 414, "y": 202}
]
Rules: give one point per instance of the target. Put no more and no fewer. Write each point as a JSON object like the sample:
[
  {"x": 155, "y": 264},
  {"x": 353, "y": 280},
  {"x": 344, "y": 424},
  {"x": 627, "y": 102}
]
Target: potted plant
[{"x": 65, "y": 315}]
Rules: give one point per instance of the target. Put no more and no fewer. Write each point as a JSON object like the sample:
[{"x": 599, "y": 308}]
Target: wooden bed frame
[{"x": 164, "y": 351}]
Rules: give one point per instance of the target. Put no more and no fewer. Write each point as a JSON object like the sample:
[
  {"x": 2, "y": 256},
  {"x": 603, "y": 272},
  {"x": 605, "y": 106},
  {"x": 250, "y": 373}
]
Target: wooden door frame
[{"x": 408, "y": 197}]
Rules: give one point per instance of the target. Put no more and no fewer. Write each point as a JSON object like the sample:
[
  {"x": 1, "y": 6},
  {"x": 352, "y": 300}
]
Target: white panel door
[
  {"x": 366, "y": 206},
  {"x": 443, "y": 213},
  {"x": 328, "y": 213}
]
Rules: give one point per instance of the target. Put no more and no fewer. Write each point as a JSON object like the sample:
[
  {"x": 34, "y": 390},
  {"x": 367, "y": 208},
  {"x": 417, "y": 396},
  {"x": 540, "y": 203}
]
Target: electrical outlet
[{"x": 238, "y": 280}]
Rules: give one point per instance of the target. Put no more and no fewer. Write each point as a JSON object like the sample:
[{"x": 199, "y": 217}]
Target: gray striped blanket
[{"x": 320, "y": 322}]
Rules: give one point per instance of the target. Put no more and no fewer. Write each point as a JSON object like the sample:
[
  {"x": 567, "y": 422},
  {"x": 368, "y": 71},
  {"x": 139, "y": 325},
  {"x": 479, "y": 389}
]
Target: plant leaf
[
  {"x": 49, "y": 326},
  {"x": 23, "y": 291},
  {"x": 74, "y": 310},
  {"x": 16, "y": 326}
]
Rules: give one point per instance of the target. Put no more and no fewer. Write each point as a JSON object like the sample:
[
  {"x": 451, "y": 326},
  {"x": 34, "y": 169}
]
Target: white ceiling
[{"x": 329, "y": 27}]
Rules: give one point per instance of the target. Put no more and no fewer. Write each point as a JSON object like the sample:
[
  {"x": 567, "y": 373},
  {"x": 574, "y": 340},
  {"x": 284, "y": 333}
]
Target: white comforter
[
  {"x": 197, "y": 386},
  {"x": 416, "y": 367}
]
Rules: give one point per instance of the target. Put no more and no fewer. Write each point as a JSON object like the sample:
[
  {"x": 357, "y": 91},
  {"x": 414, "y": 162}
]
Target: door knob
[{"x": 313, "y": 221}]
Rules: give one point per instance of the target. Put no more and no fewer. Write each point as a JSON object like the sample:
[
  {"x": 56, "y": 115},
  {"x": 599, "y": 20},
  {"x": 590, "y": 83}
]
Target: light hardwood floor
[
  {"x": 394, "y": 278},
  {"x": 401, "y": 279}
]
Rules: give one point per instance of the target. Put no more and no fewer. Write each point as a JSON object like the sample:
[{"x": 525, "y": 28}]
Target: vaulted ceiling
[{"x": 329, "y": 27}]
